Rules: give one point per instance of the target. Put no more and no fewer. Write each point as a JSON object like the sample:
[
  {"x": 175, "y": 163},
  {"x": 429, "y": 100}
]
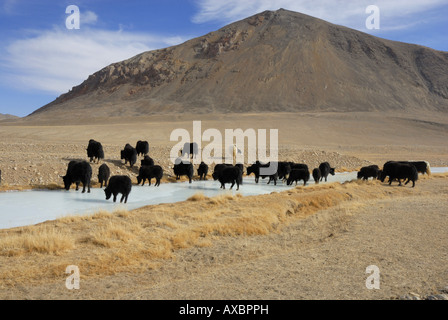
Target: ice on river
[{"x": 35, "y": 206}]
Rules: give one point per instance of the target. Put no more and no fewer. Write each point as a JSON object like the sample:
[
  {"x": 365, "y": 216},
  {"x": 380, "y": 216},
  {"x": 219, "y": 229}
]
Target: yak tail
[{"x": 428, "y": 168}]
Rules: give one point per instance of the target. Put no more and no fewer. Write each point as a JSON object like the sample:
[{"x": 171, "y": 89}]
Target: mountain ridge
[{"x": 6, "y": 116}]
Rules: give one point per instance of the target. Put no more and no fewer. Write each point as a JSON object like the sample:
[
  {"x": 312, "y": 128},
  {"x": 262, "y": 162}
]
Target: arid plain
[{"x": 307, "y": 243}]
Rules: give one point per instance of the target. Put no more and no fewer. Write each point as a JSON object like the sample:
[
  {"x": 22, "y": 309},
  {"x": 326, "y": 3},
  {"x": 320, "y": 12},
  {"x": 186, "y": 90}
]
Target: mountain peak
[{"x": 272, "y": 61}]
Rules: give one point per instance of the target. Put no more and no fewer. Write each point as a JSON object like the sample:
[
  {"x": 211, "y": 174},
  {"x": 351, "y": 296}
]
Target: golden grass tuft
[
  {"x": 198, "y": 197},
  {"x": 111, "y": 235},
  {"x": 122, "y": 213},
  {"x": 41, "y": 239},
  {"x": 222, "y": 198},
  {"x": 101, "y": 214}
]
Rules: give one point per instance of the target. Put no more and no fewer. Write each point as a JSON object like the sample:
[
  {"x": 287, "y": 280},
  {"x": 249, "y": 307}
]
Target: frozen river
[{"x": 35, "y": 206}]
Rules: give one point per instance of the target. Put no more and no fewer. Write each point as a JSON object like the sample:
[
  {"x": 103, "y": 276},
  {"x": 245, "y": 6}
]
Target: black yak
[
  {"x": 119, "y": 184},
  {"x": 183, "y": 169},
  {"x": 103, "y": 174},
  {"x": 78, "y": 172},
  {"x": 298, "y": 174},
  {"x": 218, "y": 168},
  {"x": 368, "y": 172},
  {"x": 202, "y": 171},
  {"x": 396, "y": 170},
  {"x": 149, "y": 172},
  {"x": 129, "y": 154},
  {"x": 325, "y": 170},
  {"x": 95, "y": 150},
  {"x": 231, "y": 174},
  {"x": 142, "y": 147},
  {"x": 316, "y": 175},
  {"x": 263, "y": 171}
]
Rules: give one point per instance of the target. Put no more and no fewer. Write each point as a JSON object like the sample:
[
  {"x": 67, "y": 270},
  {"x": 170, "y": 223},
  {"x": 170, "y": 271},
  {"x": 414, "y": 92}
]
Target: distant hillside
[
  {"x": 272, "y": 61},
  {"x": 7, "y": 117}
]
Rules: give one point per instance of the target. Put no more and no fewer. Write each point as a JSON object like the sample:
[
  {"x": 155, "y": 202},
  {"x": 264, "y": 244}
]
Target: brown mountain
[{"x": 272, "y": 61}]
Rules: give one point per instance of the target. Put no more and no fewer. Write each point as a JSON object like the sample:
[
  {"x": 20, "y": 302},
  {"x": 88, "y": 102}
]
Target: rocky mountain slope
[{"x": 272, "y": 61}]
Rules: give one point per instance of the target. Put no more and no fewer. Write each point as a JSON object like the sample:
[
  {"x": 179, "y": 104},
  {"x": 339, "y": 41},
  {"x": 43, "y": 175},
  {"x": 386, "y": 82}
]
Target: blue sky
[{"x": 41, "y": 59}]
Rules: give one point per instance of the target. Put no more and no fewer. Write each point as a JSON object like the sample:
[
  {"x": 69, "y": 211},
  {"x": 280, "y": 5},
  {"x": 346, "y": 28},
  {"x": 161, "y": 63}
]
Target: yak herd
[{"x": 81, "y": 171}]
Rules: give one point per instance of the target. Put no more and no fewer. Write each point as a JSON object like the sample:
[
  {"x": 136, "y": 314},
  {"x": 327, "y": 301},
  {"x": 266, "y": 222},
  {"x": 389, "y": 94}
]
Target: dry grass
[
  {"x": 52, "y": 186},
  {"x": 106, "y": 243},
  {"x": 29, "y": 240},
  {"x": 345, "y": 169},
  {"x": 198, "y": 197},
  {"x": 113, "y": 235},
  {"x": 437, "y": 175},
  {"x": 6, "y": 187}
]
